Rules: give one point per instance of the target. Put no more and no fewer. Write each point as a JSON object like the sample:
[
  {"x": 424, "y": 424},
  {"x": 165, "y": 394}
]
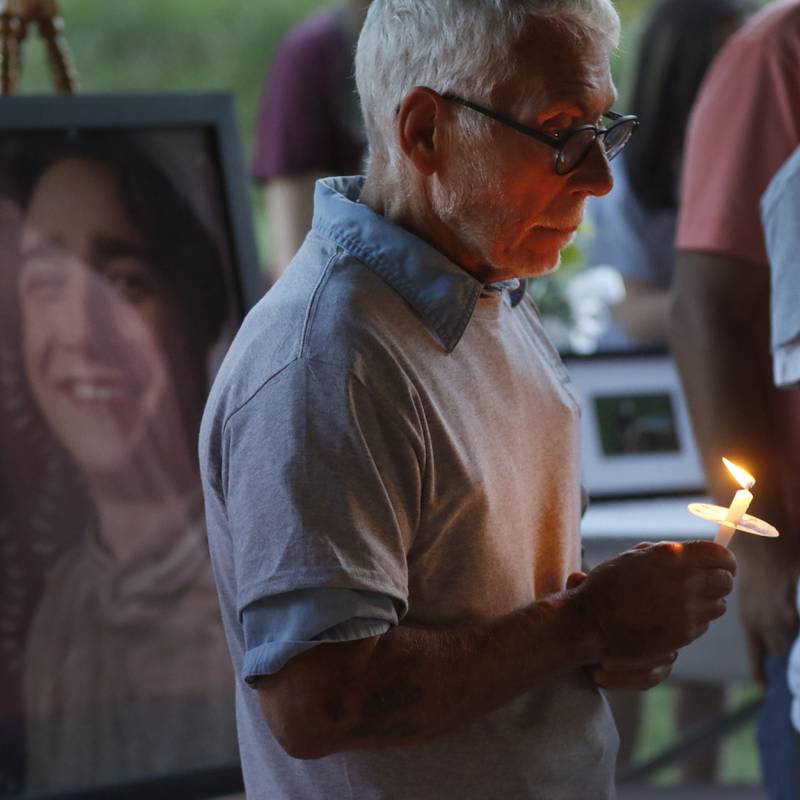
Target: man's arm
[
  {"x": 719, "y": 333},
  {"x": 413, "y": 684}
]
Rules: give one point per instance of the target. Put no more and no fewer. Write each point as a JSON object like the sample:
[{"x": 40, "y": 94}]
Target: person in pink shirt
[{"x": 745, "y": 125}]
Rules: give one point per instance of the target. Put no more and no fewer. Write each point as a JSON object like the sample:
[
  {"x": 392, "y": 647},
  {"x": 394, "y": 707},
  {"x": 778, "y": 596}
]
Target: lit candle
[
  {"x": 739, "y": 505},
  {"x": 734, "y": 518}
]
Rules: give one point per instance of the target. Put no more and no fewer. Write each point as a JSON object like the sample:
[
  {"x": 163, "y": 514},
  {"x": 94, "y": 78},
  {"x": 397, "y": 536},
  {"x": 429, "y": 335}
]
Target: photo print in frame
[{"x": 127, "y": 262}]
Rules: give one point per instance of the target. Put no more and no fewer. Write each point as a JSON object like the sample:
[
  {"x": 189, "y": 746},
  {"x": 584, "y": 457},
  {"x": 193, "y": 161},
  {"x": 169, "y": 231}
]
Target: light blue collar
[{"x": 441, "y": 292}]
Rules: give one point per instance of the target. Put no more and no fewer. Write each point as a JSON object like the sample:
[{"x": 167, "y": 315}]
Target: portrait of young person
[{"x": 114, "y": 301}]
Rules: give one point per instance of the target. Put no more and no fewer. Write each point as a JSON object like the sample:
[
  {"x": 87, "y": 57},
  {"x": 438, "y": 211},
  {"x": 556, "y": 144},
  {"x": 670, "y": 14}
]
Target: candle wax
[{"x": 741, "y": 502}]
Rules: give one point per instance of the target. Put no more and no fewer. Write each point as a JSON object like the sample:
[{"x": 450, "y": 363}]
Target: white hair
[{"x": 458, "y": 46}]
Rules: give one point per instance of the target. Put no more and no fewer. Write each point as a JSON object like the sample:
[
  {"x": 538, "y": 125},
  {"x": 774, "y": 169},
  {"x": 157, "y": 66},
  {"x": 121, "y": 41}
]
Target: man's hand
[
  {"x": 652, "y": 600},
  {"x": 627, "y": 675},
  {"x": 632, "y": 675}
]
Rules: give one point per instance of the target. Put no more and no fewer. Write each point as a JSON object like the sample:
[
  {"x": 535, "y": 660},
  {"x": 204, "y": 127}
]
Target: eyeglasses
[{"x": 573, "y": 145}]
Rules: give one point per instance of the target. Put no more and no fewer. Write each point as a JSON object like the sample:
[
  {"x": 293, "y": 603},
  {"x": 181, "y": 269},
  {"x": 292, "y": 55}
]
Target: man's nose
[{"x": 593, "y": 176}]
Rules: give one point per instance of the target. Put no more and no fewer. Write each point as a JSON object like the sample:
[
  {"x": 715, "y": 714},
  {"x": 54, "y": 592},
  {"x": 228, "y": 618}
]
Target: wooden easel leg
[
  {"x": 12, "y": 34},
  {"x": 15, "y": 16},
  {"x": 59, "y": 57}
]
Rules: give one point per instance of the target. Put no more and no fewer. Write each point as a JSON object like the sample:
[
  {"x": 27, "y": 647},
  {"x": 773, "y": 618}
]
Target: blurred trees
[
  {"x": 172, "y": 45},
  {"x": 163, "y": 45}
]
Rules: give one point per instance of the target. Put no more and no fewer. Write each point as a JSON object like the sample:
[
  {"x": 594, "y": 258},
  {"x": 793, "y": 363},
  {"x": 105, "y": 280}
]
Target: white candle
[
  {"x": 739, "y": 505},
  {"x": 738, "y": 508}
]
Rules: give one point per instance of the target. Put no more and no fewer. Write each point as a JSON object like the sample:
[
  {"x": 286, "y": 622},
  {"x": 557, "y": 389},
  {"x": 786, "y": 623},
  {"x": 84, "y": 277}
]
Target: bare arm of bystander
[
  {"x": 719, "y": 333},
  {"x": 289, "y": 201},
  {"x": 644, "y": 311}
]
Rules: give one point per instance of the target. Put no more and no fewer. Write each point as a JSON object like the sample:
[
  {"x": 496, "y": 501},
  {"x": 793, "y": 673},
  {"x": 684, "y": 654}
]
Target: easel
[{"x": 15, "y": 18}]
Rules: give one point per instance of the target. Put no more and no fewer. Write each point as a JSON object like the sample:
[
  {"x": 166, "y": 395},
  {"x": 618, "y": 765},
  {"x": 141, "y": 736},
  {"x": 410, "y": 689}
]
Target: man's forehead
[
  {"x": 585, "y": 95},
  {"x": 576, "y": 95},
  {"x": 558, "y": 68}
]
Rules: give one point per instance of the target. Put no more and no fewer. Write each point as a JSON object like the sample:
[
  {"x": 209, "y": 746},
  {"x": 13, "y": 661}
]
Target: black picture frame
[
  {"x": 211, "y": 112},
  {"x": 213, "y": 115}
]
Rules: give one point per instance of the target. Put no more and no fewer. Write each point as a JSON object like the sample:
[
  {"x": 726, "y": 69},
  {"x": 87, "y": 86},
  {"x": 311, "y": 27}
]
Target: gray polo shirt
[{"x": 383, "y": 425}]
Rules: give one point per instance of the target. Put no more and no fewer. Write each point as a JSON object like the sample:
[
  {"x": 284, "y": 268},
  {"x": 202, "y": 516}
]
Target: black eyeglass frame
[{"x": 558, "y": 142}]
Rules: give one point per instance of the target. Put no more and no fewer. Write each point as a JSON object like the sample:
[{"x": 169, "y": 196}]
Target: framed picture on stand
[
  {"x": 635, "y": 429},
  {"x": 127, "y": 262}
]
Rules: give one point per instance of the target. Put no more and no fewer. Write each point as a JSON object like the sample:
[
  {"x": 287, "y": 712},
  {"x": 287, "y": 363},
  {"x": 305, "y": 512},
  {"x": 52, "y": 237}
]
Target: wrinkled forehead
[{"x": 555, "y": 67}]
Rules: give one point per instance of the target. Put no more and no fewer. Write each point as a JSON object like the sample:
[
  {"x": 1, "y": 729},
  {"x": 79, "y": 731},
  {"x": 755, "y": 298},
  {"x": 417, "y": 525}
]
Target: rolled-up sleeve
[
  {"x": 281, "y": 627},
  {"x": 322, "y": 482}
]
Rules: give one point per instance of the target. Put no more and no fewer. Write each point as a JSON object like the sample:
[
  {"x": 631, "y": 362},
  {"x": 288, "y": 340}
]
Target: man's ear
[{"x": 421, "y": 121}]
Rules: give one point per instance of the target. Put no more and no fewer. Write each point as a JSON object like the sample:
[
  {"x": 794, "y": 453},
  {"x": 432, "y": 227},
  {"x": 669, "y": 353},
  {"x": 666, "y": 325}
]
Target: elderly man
[{"x": 390, "y": 451}]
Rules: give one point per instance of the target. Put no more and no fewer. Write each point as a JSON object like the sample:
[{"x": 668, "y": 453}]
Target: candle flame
[{"x": 745, "y": 479}]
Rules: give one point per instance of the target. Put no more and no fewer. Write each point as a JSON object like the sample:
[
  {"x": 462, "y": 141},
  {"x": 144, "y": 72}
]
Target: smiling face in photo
[{"x": 92, "y": 316}]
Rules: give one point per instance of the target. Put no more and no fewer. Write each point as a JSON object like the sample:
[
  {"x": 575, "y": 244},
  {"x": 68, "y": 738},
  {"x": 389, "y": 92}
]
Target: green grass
[{"x": 738, "y": 757}]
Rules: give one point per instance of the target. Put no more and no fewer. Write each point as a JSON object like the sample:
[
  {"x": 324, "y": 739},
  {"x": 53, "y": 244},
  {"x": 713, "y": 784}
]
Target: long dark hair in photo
[{"x": 45, "y": 507}]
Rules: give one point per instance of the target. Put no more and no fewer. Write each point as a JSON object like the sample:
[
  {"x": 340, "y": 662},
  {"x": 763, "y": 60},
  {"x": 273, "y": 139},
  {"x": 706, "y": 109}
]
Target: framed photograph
[
  {"x": 127, "y": 262},
  {"x": 636, "y": 434}
]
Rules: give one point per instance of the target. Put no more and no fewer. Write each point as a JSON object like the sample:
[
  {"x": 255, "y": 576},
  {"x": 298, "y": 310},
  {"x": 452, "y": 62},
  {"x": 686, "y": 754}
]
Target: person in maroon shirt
[{"x": 309, "y": 125}]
